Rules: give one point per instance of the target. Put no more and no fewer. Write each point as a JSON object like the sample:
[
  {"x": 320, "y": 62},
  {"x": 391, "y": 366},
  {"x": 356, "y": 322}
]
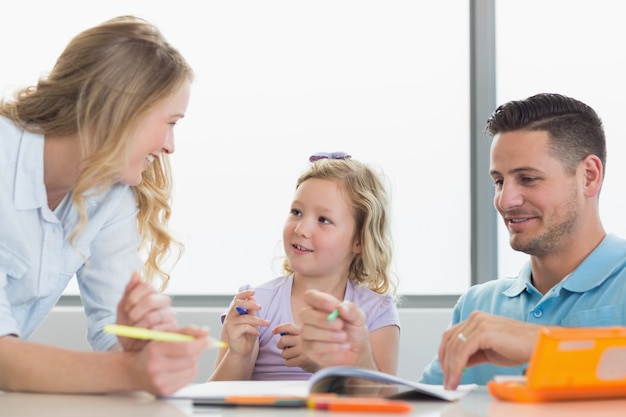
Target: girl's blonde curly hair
[{"x": 369, "y": 199}]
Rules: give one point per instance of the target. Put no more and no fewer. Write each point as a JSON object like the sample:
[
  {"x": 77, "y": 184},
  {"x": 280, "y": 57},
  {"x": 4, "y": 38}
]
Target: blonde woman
[{"x": 85, "y": 191}]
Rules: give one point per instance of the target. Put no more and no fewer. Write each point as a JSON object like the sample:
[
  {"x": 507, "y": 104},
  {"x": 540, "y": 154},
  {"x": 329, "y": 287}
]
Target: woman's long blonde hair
[{"x": 105, "y": 80}]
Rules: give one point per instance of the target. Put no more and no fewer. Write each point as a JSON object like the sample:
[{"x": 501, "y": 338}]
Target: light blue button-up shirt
[
  {"x": 36, "y": 258},
  {"x": 593, "y": 295}
]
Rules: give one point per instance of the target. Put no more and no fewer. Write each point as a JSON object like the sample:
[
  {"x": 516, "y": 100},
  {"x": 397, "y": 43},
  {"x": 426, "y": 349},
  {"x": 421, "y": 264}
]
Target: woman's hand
[
  {"x": 143, "y": 306},
  {"x": 164, "y": 367}
]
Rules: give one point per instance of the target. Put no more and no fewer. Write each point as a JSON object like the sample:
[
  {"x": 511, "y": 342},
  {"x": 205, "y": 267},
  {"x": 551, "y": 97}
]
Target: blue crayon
[
  {"x": 285, "y": 334},
  {"x": 241, "y": 310}
]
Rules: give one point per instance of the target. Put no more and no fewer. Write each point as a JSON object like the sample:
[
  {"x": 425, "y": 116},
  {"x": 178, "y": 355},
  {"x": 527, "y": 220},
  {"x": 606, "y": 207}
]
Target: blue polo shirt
[
  {"x": 36, "y": 258},
  {"x": 593, "y": 295}
]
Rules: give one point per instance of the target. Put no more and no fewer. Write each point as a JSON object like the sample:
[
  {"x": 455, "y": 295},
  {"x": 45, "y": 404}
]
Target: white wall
[
  {"x": 276, "y": 81},
  {"x": 419, "y": 340}
]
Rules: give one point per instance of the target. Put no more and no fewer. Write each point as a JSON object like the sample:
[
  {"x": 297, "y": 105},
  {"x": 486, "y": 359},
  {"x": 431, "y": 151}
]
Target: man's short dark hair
[{"x": 574, "y": 128}]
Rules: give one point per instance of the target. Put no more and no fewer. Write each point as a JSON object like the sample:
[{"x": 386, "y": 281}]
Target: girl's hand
[
  {"x": 241, "y": 325},
  {"x": 290, "y": 344},
  {"x": 240, "y": 331}
]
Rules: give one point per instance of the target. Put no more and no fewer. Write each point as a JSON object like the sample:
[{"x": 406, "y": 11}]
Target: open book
[
  {"x": 342, "y": 380},
  {"x": 349, "y": 380}
]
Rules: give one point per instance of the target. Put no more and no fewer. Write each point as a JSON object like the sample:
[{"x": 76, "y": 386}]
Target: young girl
[{"x": 336, "y": 240}]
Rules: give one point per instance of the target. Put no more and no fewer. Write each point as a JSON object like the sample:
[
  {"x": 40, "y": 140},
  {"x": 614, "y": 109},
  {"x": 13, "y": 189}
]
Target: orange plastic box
[{"x": 568, "y": 364}]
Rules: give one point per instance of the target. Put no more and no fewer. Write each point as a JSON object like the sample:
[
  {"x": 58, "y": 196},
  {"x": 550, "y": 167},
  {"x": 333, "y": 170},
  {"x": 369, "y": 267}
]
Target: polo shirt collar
[
  {"x": 522, "y": 282},
  {"x": 598, "y": 266},
  {"x": 591, "y": 273}
]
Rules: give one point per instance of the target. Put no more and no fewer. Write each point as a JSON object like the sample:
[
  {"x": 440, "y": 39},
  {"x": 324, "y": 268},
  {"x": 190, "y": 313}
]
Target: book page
[{"x": 222, "y": 389}]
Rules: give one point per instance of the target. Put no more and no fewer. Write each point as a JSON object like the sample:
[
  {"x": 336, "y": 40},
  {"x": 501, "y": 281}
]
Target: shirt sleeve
[
  {"x": 113, "y": 258},
  {"x": 11, "y": 265},
  {"x": 380, "y": 310},
  {"x": 432, "y": 373},
  {"x": 386, "y": 314},
  {"x": 8, "y": 324}
]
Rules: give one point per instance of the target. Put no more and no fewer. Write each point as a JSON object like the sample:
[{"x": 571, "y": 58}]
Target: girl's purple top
[{"x": 275, "y": 298}]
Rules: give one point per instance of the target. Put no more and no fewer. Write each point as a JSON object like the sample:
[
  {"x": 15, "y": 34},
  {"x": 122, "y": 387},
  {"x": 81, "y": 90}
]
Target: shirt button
[{"x": 538, "y": 313}]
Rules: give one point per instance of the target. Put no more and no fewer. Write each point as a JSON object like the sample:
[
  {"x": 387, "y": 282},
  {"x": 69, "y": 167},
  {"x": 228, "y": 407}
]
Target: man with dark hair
[{"x": 548, "y": 157}]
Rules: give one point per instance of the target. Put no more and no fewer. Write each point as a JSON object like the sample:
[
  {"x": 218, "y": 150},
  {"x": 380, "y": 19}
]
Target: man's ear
[{"x": 593, "y": 175}]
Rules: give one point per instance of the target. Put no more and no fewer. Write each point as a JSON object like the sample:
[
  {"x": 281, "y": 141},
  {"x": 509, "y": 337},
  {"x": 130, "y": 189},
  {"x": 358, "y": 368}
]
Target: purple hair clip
[{"x": 329, "y": 155}]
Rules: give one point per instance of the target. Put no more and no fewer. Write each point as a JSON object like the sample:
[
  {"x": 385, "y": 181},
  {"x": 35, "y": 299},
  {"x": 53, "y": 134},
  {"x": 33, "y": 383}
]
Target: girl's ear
[{"x": 356, "y": 247}]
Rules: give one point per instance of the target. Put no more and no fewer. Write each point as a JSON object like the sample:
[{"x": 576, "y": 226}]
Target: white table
[{"x": 476, "y": 404}]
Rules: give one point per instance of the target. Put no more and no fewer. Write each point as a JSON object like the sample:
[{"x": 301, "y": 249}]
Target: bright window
[
  {"x": 573, "y": 48},
  {"x": 277, "y": 81}
]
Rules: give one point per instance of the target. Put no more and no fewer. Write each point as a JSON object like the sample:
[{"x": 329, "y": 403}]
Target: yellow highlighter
[{"x": 148, "y": 334}]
